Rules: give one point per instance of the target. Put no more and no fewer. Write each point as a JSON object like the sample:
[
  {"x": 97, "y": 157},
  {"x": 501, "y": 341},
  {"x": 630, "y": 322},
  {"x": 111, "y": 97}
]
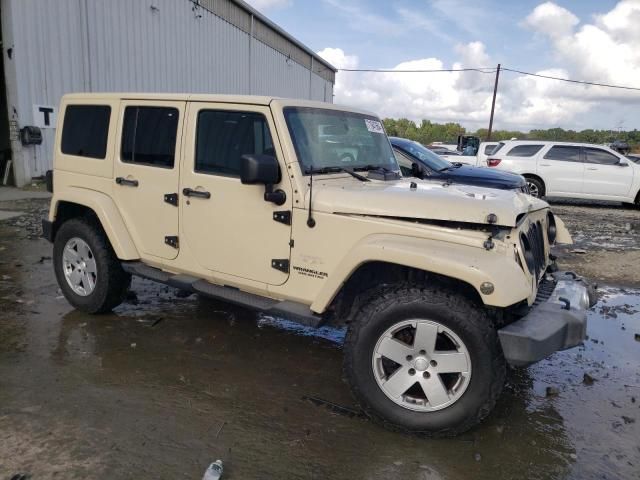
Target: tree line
[{"x": 427, "y": 132}]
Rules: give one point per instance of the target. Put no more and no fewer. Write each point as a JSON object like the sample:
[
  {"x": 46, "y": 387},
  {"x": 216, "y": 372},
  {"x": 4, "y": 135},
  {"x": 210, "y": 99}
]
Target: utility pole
[{"x": 493, "y": 103}]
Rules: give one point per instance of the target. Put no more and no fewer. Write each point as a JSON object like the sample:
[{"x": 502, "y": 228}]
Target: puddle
[{"x": 165, "y": 385}]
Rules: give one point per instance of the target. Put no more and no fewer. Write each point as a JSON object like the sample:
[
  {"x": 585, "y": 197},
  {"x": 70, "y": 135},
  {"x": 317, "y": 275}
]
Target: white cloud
[
  {"x": 552, "y": 19},
  {"x": 263, "y": 5},
  {"x": 605, "y": 50}
]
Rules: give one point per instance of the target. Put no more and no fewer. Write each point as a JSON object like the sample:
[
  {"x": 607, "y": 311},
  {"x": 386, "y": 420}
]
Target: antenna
[{"x": 310, "y": 221}]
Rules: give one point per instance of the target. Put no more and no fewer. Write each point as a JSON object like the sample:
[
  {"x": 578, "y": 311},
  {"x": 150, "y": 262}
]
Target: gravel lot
[{"x": 165, "y": 385}]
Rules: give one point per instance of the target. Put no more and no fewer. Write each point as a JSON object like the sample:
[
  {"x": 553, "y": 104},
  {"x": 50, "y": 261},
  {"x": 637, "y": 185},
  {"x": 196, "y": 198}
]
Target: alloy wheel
[
  {"x": 79, "y": 266},
  {"x": 421, "y": 365}
]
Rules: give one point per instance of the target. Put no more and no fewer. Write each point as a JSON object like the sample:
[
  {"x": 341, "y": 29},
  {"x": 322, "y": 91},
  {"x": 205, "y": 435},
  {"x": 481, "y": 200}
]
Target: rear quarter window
[
  {"x": 524, "y": 150},
  {"x": 85, "y": 131}
]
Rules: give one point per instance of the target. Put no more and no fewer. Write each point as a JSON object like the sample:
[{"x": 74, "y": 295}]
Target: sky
[{"x": 592, "y": 40}]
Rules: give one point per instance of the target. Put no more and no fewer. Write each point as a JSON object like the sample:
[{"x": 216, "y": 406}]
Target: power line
[
  {"x": 582, "y": 82},
  {"x": 383, "y": 70},
  {"x": 489, "y": 70}
]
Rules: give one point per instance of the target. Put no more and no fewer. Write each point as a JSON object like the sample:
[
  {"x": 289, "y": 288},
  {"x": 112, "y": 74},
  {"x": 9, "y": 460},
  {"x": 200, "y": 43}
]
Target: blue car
[{"x": 416, "y": 160}]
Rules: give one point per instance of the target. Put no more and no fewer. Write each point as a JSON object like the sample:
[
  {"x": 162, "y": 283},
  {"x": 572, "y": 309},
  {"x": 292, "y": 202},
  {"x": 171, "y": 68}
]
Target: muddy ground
[{"x": 164, "y": 385}]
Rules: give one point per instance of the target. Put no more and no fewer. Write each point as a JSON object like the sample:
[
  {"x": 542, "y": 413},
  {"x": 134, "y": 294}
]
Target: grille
[{"x": 535, "y": 238}]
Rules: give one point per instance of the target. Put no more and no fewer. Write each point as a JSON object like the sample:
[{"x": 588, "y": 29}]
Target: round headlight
[
  {"x": 527, "y": 253},
  {"x": 552, "y": 230}
]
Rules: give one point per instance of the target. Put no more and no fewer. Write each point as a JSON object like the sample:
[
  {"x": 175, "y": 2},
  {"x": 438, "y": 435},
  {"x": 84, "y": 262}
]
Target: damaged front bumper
[{"x": 554, "y": 323}]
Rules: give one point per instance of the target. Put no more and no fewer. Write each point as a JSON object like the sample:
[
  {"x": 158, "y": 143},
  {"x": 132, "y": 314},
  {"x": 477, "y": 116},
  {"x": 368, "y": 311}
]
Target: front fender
[
  {"x": 562, "y": 235},
  {"x": 469, "y": 264},
  {"x": 108, "y": 214}
]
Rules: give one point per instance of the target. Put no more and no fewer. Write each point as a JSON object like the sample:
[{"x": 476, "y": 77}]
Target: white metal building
[{"x": 53, "y": 47}]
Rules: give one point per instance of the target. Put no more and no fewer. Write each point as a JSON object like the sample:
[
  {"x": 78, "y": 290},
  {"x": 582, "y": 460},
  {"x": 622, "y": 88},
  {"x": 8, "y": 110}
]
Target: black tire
[
  {"x": 112, "y": 282},
  {"x": 539, "y": 185},
  {"x": 384, "y": 307}
]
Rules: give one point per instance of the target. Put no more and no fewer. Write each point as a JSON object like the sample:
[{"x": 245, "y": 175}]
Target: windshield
[
  {"x": 634, "y": 158},
  {"x": 423, "y": 154},
  {"x": 328, "y": 139}
]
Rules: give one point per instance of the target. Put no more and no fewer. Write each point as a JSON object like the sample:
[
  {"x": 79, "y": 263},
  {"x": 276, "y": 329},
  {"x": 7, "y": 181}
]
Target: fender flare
[
  {"x": 108, "y": 214},
  {"x": 470, "y": 265}
]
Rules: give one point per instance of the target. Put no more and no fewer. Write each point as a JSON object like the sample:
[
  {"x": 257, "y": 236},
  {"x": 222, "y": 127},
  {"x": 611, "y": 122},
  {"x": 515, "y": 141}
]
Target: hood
[
  {"x": 484, "y": 177},
  {"x": 430, "y": 200}
]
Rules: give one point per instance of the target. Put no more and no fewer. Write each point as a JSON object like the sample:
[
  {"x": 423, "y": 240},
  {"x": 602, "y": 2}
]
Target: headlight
[
  {"x": 527, "y": 253},
  {"x": 552, "y": 230}
]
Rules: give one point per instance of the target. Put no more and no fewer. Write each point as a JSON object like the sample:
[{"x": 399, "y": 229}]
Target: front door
[
  {"x": 604, "y": 175},
  {"x": 228, "y": 226},
  {"x": 146, "y": 174},
  {"x": 562, "y": 170}
]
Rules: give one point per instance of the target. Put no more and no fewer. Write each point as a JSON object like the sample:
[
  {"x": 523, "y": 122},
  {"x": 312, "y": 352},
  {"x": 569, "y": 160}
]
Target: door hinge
[
  {"x": 172, "y": 241},
  {"x": 283, "y": 216},
  {"x": 281, "y": 264},
  {"x": 171, "y": 198}
]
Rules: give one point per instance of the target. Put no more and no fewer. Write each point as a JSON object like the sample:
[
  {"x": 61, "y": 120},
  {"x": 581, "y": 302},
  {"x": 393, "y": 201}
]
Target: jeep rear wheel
[
  {"x": 88, "y": 271},
  {"x": 423, "y": 359}
]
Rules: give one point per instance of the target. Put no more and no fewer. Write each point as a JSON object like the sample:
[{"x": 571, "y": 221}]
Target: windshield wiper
[
  {"x": 368, "y": 168},
  {"x": 322, "y": 170}
]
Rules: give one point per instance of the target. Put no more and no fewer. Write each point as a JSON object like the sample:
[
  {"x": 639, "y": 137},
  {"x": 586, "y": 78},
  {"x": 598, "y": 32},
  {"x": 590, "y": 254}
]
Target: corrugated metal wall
[{"x": 66, "y": 46}]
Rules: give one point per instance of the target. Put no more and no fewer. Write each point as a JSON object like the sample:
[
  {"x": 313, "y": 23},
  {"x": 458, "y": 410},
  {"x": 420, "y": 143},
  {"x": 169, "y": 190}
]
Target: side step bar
[{"x": 295, "y": 311}]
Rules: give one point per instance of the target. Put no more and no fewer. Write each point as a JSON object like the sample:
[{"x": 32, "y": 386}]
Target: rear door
[
  {"x": 228, "y": 226},
  {"x": 604, "y": 175},
  {"x": 562, "y": 169},
  {"x": 146, "y": 174}
]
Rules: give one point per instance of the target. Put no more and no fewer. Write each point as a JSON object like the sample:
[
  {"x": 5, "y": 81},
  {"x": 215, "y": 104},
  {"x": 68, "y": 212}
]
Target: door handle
[
  {"x": 190, "y": 192},
  {"x": 127, "y": 182},
  {"x": 592, "y": 168},
  {"x": 545, "y": 164}
]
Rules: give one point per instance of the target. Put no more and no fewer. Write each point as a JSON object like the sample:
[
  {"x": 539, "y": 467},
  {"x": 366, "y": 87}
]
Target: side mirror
[
  {"x": 259, "y": 169},
  {"x": 264, "y": 169},
  {"x": 623, "y": 162},
  {"x": 417, "y": 170}
]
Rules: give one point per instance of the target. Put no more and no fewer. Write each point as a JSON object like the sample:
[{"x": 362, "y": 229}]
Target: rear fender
[{"x": 108, "y": 214}]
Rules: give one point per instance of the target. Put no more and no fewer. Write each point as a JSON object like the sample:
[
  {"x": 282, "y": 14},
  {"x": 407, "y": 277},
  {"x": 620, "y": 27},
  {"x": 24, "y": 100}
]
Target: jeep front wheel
[
  {"x": 423, "y": 359},
  {"x": 88, "y": 271}
]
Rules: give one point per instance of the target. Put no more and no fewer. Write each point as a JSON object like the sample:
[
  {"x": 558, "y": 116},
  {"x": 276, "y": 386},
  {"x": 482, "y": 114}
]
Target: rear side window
[
  {"x": 149, "y": 136},
  {"x": 85, "y": 130},
  {"x": 223, "y": 137},
  {"x": 488, "y": 149},
  {"x": 524, "y": 150},
  {"x": 601, "y": 157},
  {"x": 564, "y": 153},
  {"x": 497, "y": 148}
]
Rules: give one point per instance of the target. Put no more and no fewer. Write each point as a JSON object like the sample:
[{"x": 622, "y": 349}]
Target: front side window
[
  {"x": 601, "y": 157},
  {"x": 524, "y": 150},
  {"x": 85, "y": 131},
  {"x": 149, "y": 136},
  {"x": 564, "y": 153},
  {"x": 223, "y": 137},
  {"x": 325, "y": 138}
]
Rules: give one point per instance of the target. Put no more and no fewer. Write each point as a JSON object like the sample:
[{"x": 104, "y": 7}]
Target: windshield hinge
[
  {"x": 281, "y": 264},
  {"x": 283, "y": 216},
  {"x": 172, "y": 241},
  {"x": 171, "y": 198}
]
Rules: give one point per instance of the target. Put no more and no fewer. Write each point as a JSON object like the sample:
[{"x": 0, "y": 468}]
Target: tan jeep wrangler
[{"x": 297, "y": 209}]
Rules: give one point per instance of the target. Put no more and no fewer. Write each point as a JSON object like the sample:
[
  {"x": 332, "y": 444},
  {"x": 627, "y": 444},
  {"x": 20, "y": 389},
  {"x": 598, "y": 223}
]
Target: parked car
[
  {"x": 250, "y": 200},
  {"x": 570, "y": 170},
  {"x": 415, "y": 160}
]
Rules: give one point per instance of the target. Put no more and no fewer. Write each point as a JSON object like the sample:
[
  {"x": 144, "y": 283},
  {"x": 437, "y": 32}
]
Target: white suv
[{"x": 574, "y": 170}]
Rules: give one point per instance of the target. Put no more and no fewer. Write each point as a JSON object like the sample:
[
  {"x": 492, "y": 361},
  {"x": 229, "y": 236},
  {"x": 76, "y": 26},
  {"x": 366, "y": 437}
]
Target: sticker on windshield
[{"x": 373, "y": 126}]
